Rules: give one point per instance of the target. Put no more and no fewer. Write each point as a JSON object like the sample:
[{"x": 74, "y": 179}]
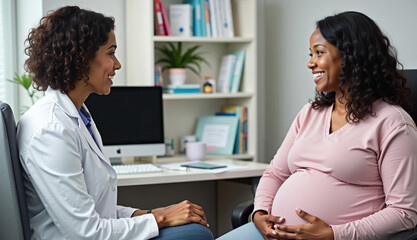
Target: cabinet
[{"x": 181, "y": 111}]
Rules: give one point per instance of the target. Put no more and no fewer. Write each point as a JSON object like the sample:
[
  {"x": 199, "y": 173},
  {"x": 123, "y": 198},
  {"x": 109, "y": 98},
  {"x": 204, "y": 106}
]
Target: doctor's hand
[
  {"x": 314, "y": 229},
  {"x": 179, "y": 214},
  {"x": 265, "y": 223}
]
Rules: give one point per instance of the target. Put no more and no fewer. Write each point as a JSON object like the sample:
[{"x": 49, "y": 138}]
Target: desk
[
  {"x": 177, "y": 176},
  {"x": 217, "y": 193}
]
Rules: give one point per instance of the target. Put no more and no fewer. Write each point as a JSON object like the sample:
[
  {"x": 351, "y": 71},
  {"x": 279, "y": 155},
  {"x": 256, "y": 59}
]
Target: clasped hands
[{"x": 272, "y": 227}]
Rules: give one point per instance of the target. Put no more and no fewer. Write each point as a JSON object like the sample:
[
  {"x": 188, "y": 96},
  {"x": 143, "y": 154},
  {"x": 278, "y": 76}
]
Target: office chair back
[{"x": 14, "y": 218}]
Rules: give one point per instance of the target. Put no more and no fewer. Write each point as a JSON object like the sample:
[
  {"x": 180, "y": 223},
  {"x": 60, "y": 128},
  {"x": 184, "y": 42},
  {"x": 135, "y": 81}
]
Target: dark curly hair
[
  {"x": 370, "y": 65},
  {"x": 63, "y": 44}
]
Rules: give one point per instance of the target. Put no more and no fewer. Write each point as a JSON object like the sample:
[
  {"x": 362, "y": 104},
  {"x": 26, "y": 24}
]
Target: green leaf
[
  {"x": 26, "y": 82},
  {"x": 173, "y": 57},
  {"x": 194, "y": 71}
]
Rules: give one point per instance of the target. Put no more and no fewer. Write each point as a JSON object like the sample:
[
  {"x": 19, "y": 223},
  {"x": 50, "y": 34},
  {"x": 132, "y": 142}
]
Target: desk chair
[
  {"x": 242, "y": 212},
  {"x": 14, "y": 218}
]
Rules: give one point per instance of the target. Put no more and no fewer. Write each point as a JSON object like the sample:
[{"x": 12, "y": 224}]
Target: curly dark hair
[
  {"x": 370, "y": 65},
  {"x": 63, "y": 44}
]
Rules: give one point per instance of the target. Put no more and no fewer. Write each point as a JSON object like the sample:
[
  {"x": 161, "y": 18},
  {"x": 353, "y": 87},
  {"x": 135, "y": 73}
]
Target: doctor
[{"x": 71, "y": 187}]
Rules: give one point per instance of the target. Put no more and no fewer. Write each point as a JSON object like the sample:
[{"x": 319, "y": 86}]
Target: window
[{"x": 8, "y": 91}]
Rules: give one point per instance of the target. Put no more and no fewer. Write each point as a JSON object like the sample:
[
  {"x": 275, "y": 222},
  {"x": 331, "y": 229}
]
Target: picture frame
[{"x": 218, "y": 133}]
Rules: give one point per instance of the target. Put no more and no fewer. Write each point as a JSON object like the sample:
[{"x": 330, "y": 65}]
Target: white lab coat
[{"x": 70, "y": 185}]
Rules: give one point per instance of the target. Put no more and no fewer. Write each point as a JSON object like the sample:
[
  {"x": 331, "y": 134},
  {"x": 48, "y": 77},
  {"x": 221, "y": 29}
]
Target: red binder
[
  {"x": 159, "y": 21},
  {"x": 165, "y": 19}
]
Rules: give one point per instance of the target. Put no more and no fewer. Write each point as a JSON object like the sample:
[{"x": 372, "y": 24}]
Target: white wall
[
  {"x": 28, "y": 14},
  {"x": 31, "y": 11},
  {"x": 288, "y": 83}
]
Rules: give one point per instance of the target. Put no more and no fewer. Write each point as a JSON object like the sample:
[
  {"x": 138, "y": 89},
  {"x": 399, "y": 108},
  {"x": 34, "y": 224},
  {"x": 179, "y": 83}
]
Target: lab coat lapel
[
  {"x": 90, "y": 140},
  {"x": 63, "y": 101},
  {"x": 96, "y": 145}
]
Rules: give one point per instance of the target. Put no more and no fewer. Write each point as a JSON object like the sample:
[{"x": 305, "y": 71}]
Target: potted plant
[
  {"x": 25, "y": 80},
  {"x": 178, "y": 62}
]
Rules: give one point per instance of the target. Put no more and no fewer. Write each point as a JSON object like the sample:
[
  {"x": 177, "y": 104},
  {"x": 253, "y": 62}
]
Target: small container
[
  {"x": 185, "y": 140},
  {"x": 169, "y": 147},
  {"x": 196, "y": 151},
  {"x": 177, "y": 76},
  {"x": 207, "y": 87}
]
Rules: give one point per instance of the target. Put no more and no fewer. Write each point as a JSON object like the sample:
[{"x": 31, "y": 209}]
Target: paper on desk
[{"x": 177, "y": 166}]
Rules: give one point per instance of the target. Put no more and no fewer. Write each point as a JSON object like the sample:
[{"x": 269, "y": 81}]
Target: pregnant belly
[{"x": 326, "y": 197}]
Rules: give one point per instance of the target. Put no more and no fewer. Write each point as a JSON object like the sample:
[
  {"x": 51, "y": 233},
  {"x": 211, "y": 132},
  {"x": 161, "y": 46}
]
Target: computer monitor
[
  {"x": 130, "y": 121},
  {"x": 411, "y": 75}
]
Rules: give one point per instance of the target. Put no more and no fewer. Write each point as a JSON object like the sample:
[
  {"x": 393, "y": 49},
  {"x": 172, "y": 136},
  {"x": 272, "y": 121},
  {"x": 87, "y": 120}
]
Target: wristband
[{"x": 149, "y": 211}]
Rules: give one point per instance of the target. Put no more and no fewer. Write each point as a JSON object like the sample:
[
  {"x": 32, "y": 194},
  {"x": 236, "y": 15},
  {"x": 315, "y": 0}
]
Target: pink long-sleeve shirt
[{"x": 360, "y": 179}]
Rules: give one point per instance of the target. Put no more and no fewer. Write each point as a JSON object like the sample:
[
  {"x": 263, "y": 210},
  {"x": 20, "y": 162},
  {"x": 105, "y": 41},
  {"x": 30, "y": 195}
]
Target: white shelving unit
[{"x": 181, "y": 111}]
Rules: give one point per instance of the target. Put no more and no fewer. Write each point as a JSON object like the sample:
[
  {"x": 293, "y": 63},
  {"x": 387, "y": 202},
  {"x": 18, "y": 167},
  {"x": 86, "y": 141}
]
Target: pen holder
[{"x": 195, "y": 151}]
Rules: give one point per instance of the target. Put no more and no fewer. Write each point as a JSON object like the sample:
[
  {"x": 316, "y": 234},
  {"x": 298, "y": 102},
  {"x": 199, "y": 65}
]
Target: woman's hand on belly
[
  {"x": 314, "y": 229},
  {"x": 265, "y": 222}
]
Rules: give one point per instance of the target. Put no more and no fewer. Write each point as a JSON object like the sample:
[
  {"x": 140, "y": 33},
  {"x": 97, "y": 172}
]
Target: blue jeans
[
  {"x": 191, "y": 231},
  {"x": 244, "y": 232}
]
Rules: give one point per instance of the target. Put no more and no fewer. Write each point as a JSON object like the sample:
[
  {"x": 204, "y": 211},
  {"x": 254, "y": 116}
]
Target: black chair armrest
[
  {"x": 412, "y": 236},
  {"x": 241, "y": 213},
  {"x": 405, "y": 235}
]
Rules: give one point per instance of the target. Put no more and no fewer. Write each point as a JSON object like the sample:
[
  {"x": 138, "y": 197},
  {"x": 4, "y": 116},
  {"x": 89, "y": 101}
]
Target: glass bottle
[{"x": 207, "y": 87}]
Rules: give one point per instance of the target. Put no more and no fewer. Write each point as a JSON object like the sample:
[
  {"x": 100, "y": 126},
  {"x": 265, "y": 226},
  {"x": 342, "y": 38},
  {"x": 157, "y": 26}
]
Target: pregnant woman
[{"x": 347, "y": 168}]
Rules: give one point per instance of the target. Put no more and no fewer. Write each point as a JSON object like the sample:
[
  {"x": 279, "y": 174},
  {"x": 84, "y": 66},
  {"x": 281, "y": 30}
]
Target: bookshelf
[{"x": 181, "y": 111}]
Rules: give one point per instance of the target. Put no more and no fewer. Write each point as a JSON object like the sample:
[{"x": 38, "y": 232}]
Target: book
[
  {"x": 159, "y": 22},
  {"x": 185, "y": 88},
  {"x": 241, "y": 135},
  {"x": 165, "y": 19},
  {"x": 213, "y": 16},
  {"x": 238, "y": 70},
  {"x": 225, "y": 114},
  {"x": 228, "y": 19},
  {"x": 237, "y": 143},
  {"x": 219, "y": 17},
  {"x": 203, "y": 21},
  {"x": 196, "y": 85},
  {"x": 225, "y": 73},
  {"x": 181, "y": 20},
  {"x": 158, "y": 76},
  {"x": 197, "y": 17},
  {"x": 202, "y": 165},
  {"x": 244, "y": 147},
  {"x": 218, "y": 133},
  {"x": 181, "y": 90},
  {"x": 207, "y": 18}
]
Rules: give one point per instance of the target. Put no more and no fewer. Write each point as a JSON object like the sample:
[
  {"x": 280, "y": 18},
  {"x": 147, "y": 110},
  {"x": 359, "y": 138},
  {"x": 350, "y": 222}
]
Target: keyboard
[{"x": 136, "y": 168}]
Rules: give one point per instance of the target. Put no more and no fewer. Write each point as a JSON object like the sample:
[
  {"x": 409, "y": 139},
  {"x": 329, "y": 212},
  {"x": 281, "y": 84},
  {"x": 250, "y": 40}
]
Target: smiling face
[
  {"x": 103, "y": 67},
  {"x": 325, "y": 63}
]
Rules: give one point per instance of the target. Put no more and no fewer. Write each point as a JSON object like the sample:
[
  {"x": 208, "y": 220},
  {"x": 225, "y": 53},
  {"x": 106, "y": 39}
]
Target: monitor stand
[
  {"x": 130, "y": 160},
  {"x": 146, "y": 159},
  {"x": 116, "y": 161}
]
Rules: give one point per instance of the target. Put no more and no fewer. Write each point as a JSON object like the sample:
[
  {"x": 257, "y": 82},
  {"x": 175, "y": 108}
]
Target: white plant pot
[{"x": 177, "y": 76}]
